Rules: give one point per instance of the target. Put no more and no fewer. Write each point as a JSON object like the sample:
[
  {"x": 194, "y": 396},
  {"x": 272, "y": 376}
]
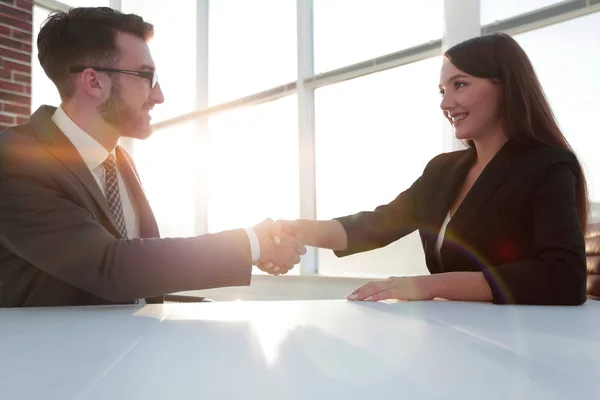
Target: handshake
[{"x": 280, "y": 246}]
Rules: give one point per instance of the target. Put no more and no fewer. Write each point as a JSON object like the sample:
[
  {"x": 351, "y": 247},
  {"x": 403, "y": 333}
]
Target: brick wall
[{"x": 15, "y": 61}]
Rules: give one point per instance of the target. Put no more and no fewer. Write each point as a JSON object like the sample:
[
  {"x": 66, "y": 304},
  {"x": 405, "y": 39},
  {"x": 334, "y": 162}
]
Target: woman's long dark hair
[{"x": 528, "y": 117}]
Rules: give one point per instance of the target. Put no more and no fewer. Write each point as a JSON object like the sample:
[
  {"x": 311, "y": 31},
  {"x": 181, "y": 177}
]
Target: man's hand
[
  {"x": 277, "y": 256},
  {"x": 280, "y": 229}
]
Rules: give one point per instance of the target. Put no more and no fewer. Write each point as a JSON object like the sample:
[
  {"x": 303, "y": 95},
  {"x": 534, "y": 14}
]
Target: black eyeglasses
[{"x": 150, "y": 76}]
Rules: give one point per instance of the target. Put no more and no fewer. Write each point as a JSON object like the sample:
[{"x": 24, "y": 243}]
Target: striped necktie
[{"x": 111, "y": 191}]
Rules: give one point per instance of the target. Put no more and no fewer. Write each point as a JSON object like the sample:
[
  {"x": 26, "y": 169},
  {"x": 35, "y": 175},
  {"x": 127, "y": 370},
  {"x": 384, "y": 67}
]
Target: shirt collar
[{"x": 92, "y": 152}]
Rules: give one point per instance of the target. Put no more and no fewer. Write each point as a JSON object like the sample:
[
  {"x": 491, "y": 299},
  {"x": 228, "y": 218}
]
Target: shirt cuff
[{"x": 254, "y": 244}]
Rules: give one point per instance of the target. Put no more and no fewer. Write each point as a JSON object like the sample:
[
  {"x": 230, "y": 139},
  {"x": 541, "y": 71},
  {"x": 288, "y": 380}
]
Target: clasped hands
[{"x": 282, "y": 245}]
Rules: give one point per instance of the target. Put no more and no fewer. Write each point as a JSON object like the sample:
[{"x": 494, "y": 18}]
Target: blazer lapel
[
  {"x": 62, "y": 148},
  {"x": 451, "y": 183},
  {"x": 484, "y": 187},
  {"x": 148, "y": 226}
]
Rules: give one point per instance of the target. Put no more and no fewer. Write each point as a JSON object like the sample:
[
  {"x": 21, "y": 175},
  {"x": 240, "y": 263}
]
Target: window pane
[
  {"x": 174, "y": 27},
  {"x": 497, "y": 10},
  {"x": 253, "y": 165},
  {"x": 568, "y": 71},
  {"x": 252, "y": 47},
  {"x": 349, "y": 31},
  {"x": 374, "y": 136},
  {"x": 43, "y": 90},
  {"x": 88, "y": 3},
  {"x": 166, "y": 163}
]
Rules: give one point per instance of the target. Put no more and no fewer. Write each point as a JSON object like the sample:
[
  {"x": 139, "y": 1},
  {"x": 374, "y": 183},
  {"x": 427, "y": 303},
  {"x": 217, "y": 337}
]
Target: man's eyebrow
[{"x": 148, "y": 67}]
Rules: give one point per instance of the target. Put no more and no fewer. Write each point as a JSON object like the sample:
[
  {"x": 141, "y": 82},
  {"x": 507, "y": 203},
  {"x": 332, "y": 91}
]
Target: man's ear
[{"x": 93, "y": 83}]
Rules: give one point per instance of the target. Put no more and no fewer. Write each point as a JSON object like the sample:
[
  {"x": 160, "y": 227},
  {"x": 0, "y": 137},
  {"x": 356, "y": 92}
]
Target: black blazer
[
  {"x": 60, "y": 246},
  {"x": 518, "y": 224}
]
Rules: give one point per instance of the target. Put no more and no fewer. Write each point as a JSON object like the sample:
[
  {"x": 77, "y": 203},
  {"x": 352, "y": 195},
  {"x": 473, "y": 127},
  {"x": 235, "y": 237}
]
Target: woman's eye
[{"x": 458, "y": 85}]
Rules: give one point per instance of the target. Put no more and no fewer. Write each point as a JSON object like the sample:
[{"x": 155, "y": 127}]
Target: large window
[
  {"x": 374, "y": 136},
  {"x": 497, "y": 10},
  {"x": 252, "y": 47},
  {"x": 568, "y": 71},
  {"x": 349, "y": 31}
]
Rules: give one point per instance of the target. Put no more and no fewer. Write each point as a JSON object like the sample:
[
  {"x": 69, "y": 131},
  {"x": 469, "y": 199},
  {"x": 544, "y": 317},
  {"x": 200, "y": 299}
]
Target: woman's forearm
[
  {"x": 465, "y": 286},
  {"x": 324, "y": 234}
]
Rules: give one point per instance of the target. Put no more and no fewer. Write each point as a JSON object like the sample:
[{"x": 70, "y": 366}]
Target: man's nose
[{"x": 156, "y": 95}]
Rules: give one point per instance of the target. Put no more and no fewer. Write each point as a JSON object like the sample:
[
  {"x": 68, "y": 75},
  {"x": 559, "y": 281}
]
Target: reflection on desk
[{"x": 301, "y": 350}]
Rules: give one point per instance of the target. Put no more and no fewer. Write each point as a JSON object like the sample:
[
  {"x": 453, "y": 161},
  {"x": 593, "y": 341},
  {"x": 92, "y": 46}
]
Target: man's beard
[{"x": 116, "y": 113}]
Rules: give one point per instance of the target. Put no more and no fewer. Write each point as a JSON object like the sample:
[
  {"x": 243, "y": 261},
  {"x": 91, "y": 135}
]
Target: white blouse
[{"x": 440, "y": 238}]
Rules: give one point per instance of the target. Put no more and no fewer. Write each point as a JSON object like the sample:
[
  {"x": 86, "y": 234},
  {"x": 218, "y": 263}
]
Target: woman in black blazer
[{"x": 502, "y": 221}]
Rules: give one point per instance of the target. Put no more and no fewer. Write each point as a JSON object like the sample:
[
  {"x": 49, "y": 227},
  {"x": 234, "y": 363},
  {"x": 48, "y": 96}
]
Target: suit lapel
[
  {"x": 451, "y": 182},
  {"x": 148, "y": 226},
  {"x": 484, "y": 187},
  {"x": 62, "y": 148}
]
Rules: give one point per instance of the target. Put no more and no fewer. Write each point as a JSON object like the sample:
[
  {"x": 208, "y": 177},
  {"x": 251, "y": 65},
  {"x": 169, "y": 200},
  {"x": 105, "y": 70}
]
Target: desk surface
[{"x": 301, "y": 350}]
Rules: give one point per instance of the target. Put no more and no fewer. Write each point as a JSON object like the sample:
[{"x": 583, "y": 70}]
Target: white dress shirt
[{"x": 93, "y": 155}]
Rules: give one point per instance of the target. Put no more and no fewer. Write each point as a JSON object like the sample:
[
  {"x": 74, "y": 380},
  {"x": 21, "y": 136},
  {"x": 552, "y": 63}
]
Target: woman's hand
[
  {"x": 402, "y": 288},
  {"x": 289, "y": 227}
]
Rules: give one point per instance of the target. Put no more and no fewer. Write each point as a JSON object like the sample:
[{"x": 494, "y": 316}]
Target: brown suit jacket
[{"x": 59, "y": 244}]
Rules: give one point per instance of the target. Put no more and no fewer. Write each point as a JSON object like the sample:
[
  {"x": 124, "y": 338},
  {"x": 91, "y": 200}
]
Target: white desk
[{"x": 301, "y": 350}]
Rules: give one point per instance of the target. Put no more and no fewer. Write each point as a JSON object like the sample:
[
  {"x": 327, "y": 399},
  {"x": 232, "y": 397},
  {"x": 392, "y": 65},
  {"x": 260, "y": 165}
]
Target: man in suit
[{"x": 75, "y": 225}]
